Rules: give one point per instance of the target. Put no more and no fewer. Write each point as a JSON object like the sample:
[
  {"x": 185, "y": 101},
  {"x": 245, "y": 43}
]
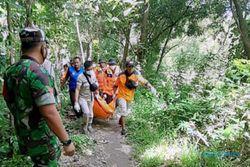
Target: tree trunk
[
  {"x": 28, "y": 13},
  {"x": 57, "y": 56},
  {"x": 126, "y": 47},
  {"x": 10, "y": 52},
  {"x": 164, "y": 50},
  {"x": 143, "y": 37},
  {"x": 242, "y": 25},
  {"x": 89, "y": 50},
  {"x": 79, "y": 38}
]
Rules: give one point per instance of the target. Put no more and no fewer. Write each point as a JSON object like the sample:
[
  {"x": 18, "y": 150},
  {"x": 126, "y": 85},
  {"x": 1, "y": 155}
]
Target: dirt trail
[{"x": 110, "y": 149}]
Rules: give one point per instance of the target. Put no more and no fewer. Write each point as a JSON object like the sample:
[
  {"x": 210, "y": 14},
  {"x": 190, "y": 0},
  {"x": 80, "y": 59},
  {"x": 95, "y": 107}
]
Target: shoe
[
  {"x": 85, "y": 131},
  {"x": 123, "y": 132},
  {"x": 120, "y": 122},
  {"x": 90, "y": 129}
]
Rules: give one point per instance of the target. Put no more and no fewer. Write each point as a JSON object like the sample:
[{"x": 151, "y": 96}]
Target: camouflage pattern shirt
[{"x": 27, "y": 86}]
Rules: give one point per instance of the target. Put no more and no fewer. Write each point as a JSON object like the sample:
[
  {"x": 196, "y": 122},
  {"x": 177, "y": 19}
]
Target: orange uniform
[
  {"x": 110, "y": 79},
  {"x": 123, "y": 91},
  {"x": 100, "y": 76}
]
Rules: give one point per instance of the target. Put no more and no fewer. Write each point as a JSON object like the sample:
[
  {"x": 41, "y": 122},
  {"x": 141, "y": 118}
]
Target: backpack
[
  {"x": 92, "y": 86},
  {"x": 130, "y": 84}
]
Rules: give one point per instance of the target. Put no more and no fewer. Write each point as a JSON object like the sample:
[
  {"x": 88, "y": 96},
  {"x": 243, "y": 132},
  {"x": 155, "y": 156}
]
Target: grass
[
  {"x": 81, "y": 142},
  {"x": 152, "y": 132}
]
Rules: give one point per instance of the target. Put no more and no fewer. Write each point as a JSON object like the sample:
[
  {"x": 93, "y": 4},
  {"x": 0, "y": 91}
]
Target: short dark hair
[
  {"x": 88, "y": 64},
  {"x": 130, "y": 63},
  {"x": 27, "y": 46},
  {"x": 77, "y": 57}
]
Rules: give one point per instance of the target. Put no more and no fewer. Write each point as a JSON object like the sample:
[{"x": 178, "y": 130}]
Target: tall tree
[
  {"x": 143, "y": 35},
  {"x": 241, "y": 23},
  {"x": 9, "y": 37}
]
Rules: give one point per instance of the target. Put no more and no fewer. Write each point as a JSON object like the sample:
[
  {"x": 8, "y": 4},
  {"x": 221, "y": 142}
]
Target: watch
[{"x": 66, "y": 142}]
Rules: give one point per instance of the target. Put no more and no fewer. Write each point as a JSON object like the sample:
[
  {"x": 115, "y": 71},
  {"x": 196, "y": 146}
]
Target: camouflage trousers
[
  {"x": 43, "y": 153},
  {"x": 46, "y": 160}
]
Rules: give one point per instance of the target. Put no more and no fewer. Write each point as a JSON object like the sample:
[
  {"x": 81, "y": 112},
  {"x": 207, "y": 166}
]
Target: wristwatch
[{"x": 66, "y": 142}]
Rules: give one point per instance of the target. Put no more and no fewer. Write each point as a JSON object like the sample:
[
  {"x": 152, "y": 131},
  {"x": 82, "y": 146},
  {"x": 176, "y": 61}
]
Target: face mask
[
  {"x": 112, "y": 67},
  {"x": 89, "y": 72}
]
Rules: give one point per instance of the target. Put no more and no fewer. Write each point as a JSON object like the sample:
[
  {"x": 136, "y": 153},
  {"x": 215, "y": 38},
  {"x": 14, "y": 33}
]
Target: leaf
[
  {"x": 127, "y": 12},
  {"x": 109, "y": 14},
  {"x": 115, "y": 19}
]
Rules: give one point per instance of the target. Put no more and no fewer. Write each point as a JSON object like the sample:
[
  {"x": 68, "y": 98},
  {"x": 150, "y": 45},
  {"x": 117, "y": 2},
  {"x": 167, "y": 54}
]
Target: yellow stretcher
[{"x": 103, "y": 110}]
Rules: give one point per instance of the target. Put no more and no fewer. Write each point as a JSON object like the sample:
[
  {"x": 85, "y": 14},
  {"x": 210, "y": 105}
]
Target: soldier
[{"x": 28, "y": 92}]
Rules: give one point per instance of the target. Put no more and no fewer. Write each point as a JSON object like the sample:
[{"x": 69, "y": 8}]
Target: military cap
[{"x": 32, "y": 34}]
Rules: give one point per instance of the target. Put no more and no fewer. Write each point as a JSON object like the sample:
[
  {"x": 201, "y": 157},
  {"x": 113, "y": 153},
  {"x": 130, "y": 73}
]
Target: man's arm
[
  {"x": 78, "y": 87},
  {"x": 146, "y": 83},
  {"x": 54, "y": 122}
]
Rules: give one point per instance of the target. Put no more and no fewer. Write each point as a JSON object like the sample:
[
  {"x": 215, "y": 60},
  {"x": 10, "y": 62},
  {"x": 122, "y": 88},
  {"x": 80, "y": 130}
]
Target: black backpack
[
  {"x": 92, "y": 86},
  {"x": 130, "y": 84}
]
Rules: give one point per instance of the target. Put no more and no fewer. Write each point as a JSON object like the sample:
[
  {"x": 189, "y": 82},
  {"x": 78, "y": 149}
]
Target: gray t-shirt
[
  {"x": 83, "y": 82},
  {"x": 50, "y": 68}
]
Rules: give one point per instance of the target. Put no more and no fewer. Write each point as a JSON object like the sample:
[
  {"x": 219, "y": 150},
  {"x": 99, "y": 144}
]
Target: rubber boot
[
  {"x": 90, "y": 129},
  {"x": 85, "y": 124}
]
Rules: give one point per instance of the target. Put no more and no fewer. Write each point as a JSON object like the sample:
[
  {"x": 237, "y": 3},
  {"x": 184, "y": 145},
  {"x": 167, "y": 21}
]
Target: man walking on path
[
  {"x": 126, "y": 84},
  {"x": 87, "y": 85},
  {"x": 72, "y": 74},
  {"x": 28, "y": 92}
]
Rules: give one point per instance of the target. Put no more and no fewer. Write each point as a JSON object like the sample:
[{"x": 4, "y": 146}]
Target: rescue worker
[
  {"x": 28, "y": 92},
  {"x": 72, "y": 75},
  {"x": 126, "y": 84},
  {"x": 114, "y": 67},
  {"x": 100, "y": 75},
  {"x": 87, "y": 86},
  {"x": 109, "y": 80},
  {"x": 64, "y": 71}
]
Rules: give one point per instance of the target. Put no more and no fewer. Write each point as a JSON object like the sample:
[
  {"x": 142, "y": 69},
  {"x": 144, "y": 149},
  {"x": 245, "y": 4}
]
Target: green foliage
[
  {"x": 239, "y": 72},
  {"x": 81, "y": 142},
  {"x": 9, "y": 151},
  {"x": 152, "y": 162},
  {"x": 16, "y": 160},
  {"x": 169, "y": 116}
]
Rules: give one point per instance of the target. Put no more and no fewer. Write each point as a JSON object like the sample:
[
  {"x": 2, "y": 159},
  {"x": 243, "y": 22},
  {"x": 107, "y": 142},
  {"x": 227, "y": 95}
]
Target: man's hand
[
  {"x": 153, "y": 90},
  {"x": 77, "y": 106},
  {"x": 69, "y": 150}
]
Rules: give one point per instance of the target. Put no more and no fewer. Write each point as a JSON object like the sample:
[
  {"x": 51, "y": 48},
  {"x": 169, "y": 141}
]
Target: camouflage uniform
[{"x": 27, "y": 87}]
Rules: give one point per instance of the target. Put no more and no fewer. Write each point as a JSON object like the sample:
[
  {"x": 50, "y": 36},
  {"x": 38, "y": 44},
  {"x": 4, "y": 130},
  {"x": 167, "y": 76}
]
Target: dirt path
[{"x": 110, "y": 149}]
